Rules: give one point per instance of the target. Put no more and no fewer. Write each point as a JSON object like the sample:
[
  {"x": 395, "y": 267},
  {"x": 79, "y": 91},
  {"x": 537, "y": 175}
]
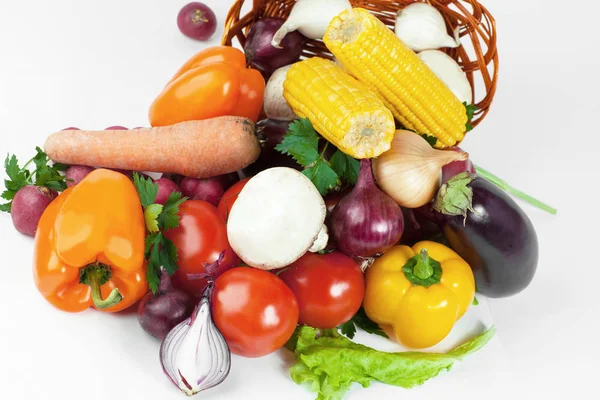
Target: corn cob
[
  {"x": 377, "y": 57},
  {"x": 345, "y": 111}
]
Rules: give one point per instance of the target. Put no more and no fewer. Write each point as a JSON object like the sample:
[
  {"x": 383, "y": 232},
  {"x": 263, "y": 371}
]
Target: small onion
[
  {"x": 261, "y": 54},
  {"x": 366, "y": 221},
  {"x": 194, "y": 355},
  {"x": 410, "y": 171}
]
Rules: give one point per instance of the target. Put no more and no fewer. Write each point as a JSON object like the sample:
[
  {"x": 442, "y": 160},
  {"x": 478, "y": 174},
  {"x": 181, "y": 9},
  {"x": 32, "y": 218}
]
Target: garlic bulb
[
  {"x": 194, "y": 355},
  {"x": 410, "y": 172},
  {"x": 421, "y": 27},
  {"x": 449, "y": 72}
]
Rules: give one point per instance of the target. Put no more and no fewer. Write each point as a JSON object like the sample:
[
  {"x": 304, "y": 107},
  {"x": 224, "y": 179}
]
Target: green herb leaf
[
  {"x": 152, "y": 255},
  {"x": 168, "y": 218},
  {"x": 322, "y": 176},
  {"x": 151, "y": 214},
  {"x": 11, "y": 165},
  {"x": 475, "y": 301},
  {"x": 348, "y": 329},
  {"x": 168, "y": 256},
  {"x": 5, "y": 207},
  {"x": 45, "y": 175},
  {"x": 471, "y": 108},
  {"x": 147, "y": 190},
  {"x": 364, "y": 322},
  {"x": 432, "y": 140},
  {"x": 331, "y": 363},
  {"x": 301, "y": 142},
  {"x": 345, "y": 166}
]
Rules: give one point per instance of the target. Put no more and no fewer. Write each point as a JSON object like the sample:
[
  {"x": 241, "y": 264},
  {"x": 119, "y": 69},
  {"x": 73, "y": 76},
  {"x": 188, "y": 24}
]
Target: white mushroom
[{"x": 278, "y": 216}]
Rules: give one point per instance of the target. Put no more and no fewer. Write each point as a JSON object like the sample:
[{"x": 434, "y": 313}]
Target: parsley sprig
[
  {"x": 159, "y": 251},
  {"x": 302, "y": 143},
  {"x": 44, "y": 175},
  {"x": 362, "y": 321}
]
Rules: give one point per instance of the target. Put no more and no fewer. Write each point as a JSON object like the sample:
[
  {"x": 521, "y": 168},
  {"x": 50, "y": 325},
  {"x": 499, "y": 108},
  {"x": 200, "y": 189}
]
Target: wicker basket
[{"x": 477, "y": 56}]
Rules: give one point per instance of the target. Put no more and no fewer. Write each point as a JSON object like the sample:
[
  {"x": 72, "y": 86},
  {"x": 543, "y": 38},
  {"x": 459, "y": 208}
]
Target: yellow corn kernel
[
  {"x": 372, "y": 53},
  {"x": 345, "y": 111}
]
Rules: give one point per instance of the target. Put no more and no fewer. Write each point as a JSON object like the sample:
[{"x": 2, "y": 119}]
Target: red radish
[
  {"x": 165, "y": 188},
  {"x": 197, "y": 21},
  {"x": 115, "y": 128},
  {"x": 76, "y": 173},
  {"x": 71, "y": 128},
  {"x": 28, "y": 206},
  {"x": 210, "y": 190}
]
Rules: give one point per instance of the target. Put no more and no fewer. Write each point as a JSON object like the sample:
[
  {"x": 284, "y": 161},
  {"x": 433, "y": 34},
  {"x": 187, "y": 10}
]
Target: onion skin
[
  {"x": 456, "y": 167},
  {"x": 261, "y": 54},
  {"x": 160, "y": 312},
  {"x": 366, "y": 222},
  {"x": 410, "y": 171}
]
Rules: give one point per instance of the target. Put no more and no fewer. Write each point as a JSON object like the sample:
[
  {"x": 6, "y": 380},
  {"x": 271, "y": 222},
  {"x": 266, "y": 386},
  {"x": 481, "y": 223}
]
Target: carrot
[{"x": 198, "y": 149}]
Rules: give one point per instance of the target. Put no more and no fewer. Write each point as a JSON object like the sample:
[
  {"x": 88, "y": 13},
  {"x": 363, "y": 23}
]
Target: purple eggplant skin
[{"x": 498, "y": 241}]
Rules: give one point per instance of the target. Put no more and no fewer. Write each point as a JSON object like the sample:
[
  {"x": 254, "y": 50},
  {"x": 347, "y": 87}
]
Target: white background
[{"x": 93, "y": 64}]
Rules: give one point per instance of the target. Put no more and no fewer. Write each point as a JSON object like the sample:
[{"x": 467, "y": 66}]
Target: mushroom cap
[{"x": 276, "y": 218}]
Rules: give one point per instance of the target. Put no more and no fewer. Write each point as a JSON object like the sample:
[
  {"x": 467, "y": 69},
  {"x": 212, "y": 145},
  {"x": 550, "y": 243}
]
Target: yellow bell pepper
[{"x": 420, "y": 292}]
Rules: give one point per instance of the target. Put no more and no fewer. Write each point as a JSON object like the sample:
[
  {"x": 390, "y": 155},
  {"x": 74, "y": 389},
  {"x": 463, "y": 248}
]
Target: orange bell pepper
[
  {"x": 89, "y": 246},
  {"x": 213, "y": 83}
]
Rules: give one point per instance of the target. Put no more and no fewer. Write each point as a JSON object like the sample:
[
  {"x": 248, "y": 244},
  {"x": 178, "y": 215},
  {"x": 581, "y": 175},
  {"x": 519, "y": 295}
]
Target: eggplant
[{"x": 497, "y": 239}]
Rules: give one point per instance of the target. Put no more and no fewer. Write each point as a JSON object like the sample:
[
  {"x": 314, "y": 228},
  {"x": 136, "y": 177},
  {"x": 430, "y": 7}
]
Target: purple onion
[
  {"x": 367, "y": 221},
  {"x": 160, "y": 312},
  {"x": 262, "y": 55},
  {"x": 456, "y": 167},
  {"x": 197, "y": 21}
]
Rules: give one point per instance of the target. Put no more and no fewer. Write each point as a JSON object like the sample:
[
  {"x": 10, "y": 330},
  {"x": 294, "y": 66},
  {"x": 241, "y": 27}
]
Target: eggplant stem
[
  {"x": 113, "y": 298},
  {"x": 515, "y": 192}
]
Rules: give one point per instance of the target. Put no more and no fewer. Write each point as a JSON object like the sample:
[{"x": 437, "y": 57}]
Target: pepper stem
[
  {"x": 95, "y": 276},
  {"x": 423, "y": 269},
  {"x": 515, "y": 192}
]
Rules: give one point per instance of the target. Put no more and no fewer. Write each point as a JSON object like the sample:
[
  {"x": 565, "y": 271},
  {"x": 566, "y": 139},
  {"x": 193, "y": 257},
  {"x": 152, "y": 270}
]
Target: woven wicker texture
[{"x": 477, "y": 56}]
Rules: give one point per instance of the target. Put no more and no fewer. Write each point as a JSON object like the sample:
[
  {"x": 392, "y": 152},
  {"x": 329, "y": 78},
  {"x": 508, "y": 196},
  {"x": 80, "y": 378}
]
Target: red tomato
[
  {"x": 329, "y": 288},
  {"x": 229, "y": 197},
  {"x": 254, "y": 310},
  {"x": 200, "y": 238}
]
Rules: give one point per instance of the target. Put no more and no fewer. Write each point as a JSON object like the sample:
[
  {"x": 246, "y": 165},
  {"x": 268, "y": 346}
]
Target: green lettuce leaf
[{"x": 331, "y": 363}]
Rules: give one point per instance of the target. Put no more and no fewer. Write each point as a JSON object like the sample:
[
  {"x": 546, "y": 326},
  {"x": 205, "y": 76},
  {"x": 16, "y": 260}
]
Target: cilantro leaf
[
  {"x": 301, "y": 142},
  {"x": 11, "y": 165},
  {"x": 475, "y": 301},
  {"x": 151, "y": 214},
  {"x": 147, "y": 190},
  {"x": 348, "y": 329},
  {"x": 471, "y": 108},
  {"x": 41, "y": 159},
  {"x": 5, "y": 207},
  {"x": 8, "y": 195},
  {"x": 168, "y": 256},
  {"x": 362, "y": 321},
  {"x": 168, "y": 218},
  {"x": 152, "y": 253},
  {"x": 322, "y": 176},
  {"x": 345, "y": 166},
  {"x": 432, "y": 140}
]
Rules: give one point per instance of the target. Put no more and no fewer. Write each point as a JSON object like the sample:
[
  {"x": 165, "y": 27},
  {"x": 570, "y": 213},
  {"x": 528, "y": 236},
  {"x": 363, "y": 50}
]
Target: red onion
[
  {"x": 197, "y": 21},
  {"x": 456, "y": 167},
  {"x": 160, "y": 312},
  {"x": 262, "y": 55},
  {"x": 367, "y": 221}
]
